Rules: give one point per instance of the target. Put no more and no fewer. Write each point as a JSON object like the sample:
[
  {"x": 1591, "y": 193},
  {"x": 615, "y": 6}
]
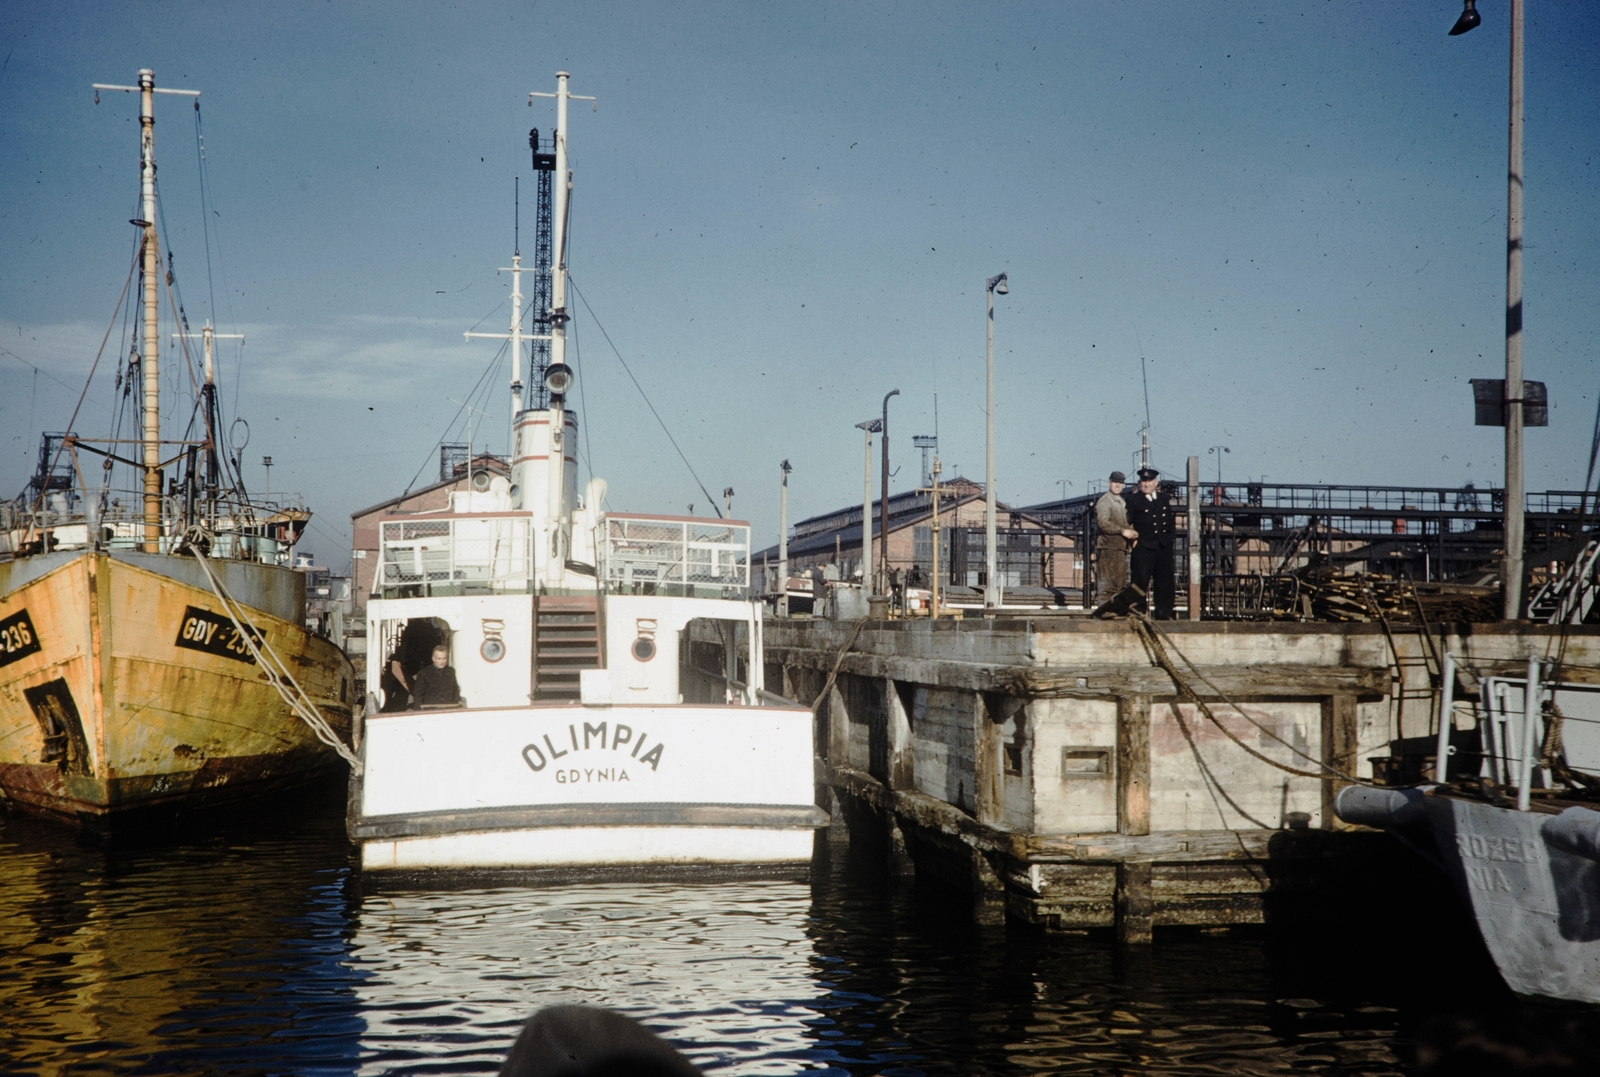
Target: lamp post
[
  {"x": 1511, "y": 567},
  {"x": 1218, "y": 450},
  {"x": 883, "y": 503},
  {"x": 991, "y": 581},
  {"x": 869, "y": 427},
  {"x": 783, "y": 543}
]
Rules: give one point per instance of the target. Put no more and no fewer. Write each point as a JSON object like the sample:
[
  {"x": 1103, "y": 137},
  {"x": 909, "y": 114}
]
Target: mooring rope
[
  {"x": 838, "y": 662},
  {"x": 277, "y": 672},
  {"x": 1151, "y": 634}
]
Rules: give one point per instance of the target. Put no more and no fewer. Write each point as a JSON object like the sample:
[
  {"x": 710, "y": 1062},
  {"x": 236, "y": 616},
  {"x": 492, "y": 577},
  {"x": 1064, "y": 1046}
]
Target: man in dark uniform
[
  {"x": 1150, "y": 514},
  {"x": 435, "y": 685}
]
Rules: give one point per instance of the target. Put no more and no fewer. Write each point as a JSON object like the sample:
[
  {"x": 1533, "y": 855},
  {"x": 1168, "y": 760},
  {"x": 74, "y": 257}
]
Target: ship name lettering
[
  {"x": 17, "y": 638},
  {"x": 1488, "y": 879},
  {"x": 1511, "y": 850},
  {"x": 594, "y": 739},
  {"x": 598, "y": 774}
]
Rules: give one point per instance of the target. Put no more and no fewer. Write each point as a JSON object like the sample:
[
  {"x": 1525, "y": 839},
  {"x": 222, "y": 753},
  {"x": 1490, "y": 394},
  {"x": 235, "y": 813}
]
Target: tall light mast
[{"x": 558, "y": 377}]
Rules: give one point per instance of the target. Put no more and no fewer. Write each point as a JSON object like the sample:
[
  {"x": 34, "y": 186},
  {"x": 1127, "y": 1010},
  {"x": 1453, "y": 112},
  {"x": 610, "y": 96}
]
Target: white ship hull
[{"x": 584, "y": 787}]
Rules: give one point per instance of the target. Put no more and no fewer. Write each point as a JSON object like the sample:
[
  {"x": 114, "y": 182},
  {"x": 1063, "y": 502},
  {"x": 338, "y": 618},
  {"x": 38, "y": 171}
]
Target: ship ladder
[
  {"x": 277, "y": 671},
  {"x": 1569, "y": 597},
  {"x": 566, "y": 638}
]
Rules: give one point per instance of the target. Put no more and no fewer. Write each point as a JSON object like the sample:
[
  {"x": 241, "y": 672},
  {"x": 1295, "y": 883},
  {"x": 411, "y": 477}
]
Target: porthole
[
  {"x": 644, "y": 648},
  {"x": 493, "y": 649}
]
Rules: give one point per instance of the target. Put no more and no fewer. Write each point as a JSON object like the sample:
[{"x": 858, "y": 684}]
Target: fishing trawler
[
  {"x": 578, "y": 732},
  {"x": 153, "y": 648}
]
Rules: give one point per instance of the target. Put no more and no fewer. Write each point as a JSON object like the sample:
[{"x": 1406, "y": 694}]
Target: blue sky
[{"x": 784, "y": 211}]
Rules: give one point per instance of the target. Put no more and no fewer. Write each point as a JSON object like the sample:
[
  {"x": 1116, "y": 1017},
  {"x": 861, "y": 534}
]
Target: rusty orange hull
[{"x": 123, "y": 686}]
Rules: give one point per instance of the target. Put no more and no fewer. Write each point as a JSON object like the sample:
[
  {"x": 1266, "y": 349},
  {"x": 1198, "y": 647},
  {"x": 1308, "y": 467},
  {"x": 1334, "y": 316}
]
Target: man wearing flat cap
[
  {"x": 1150, "y": 514},
  {"x": 1111, "y": 548}
]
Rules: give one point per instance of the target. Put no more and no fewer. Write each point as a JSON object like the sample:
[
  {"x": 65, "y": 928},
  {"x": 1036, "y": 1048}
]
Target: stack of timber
[{"x": 1362, "y": 597}]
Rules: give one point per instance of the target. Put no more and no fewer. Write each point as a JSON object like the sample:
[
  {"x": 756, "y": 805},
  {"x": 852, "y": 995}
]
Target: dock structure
[{"x": 1078, "y": 774}]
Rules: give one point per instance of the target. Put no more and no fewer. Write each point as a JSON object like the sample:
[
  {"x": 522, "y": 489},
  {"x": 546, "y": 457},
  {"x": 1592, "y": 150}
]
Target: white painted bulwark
[{"x": 462, "y": 761}]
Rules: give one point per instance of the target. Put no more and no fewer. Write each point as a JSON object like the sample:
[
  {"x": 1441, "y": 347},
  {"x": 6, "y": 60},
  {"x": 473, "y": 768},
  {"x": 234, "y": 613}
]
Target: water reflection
[
  {"x": 724, "y": 969},
  {"x": 251, "y": 948}
]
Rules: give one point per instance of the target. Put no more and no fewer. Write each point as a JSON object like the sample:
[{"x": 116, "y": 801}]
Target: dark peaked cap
[{"x": 585, "y": 1041}]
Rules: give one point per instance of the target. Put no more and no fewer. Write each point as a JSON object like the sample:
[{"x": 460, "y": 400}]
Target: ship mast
[
  {"x": 150, "y": 361},
  {"x": 558, "y": 519}
]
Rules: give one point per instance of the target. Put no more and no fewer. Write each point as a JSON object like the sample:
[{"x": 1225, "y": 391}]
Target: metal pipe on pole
[
  {"x": 1512, "y": 569},
  {"x": 1530, "y": 718},
  {"x": 869, "y": 427},
  {"x": 992, "y": 596},
  {"x": 1192, "y": 540},
  {"x": 1447, "y": 703},
  {"x": 883, "y": 506}
]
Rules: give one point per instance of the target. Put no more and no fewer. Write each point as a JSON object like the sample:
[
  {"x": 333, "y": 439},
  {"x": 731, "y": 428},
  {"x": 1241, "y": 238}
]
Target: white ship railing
[
  {"x": 475, "y": 555},
  {"x": 677, "y": 556}
]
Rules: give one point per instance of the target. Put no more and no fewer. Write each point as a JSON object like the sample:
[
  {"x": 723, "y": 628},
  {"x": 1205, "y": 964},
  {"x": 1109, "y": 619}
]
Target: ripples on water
[{"x": 255, "y": 950}]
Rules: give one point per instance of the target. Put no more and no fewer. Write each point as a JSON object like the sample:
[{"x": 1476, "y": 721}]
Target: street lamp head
[
  {"x": 871, "y": 426},
  {"x": 785, "y": 467},
  {"x": 998, "y": 285},
  {"x": 1469, "y": 19}
]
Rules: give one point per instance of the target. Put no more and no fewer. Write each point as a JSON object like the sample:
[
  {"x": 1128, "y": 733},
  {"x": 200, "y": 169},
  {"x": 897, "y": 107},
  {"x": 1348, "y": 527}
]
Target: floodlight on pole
[
  {"x": 1218, "y": 450},
  {"x": 1511, "y": 570},
  {"x": 883, "y": 507},
  {"x": 1469, "y": 19},
  {"x": 991, "y": 583},
  {"x": 783, "y": 542}
]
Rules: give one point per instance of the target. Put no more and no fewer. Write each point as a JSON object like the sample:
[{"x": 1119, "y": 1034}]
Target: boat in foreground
[
  {"x": 153, "y": 647},
  {"x": 577, "y": 733},
  {"x": 1517, "y": 826}
]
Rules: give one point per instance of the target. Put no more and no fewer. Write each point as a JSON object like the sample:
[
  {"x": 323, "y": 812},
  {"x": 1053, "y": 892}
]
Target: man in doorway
[
  {"x": 1111, "y": 547},
  {"x": 435, "y": 685},
  {"x": 1150, "y": 515}
]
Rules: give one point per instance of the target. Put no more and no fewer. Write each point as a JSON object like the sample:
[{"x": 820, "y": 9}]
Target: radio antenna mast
[{"x": 1144, "y": 434}]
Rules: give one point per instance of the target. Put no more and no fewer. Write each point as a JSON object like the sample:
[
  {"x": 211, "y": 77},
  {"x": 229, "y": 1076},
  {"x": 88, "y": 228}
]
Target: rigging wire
[
  {"x": 92, "y": 368},
  {"x": 205, "y": 220},
  {"x": 36, "y": 372},
  {"x": 1143, "y": 377},
  {"x": 494, "y": 365},
  {"x": 583, "y": 395},
  {"x": 583, "y": 403},
  {"x": 711, "y": 500}
]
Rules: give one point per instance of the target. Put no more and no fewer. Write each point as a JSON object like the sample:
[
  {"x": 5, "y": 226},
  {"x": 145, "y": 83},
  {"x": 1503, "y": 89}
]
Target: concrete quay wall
[{"x": 1051, "y": 766}]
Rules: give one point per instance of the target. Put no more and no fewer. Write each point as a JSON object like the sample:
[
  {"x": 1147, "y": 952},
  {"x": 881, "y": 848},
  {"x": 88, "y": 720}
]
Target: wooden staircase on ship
[{"x": 566, "y": 641}]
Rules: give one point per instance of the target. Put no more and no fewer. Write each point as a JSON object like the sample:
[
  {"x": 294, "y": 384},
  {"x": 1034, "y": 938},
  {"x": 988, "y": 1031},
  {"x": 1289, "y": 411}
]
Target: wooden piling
[
  {"x": 1133, "y": 764},
  {"x": 1135, "y": 902},
  {"x": 1339, "y": 751}
]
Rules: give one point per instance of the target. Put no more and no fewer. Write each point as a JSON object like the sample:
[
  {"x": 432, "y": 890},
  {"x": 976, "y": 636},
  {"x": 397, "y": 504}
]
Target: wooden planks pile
[{"x": 1338, "y": 597}]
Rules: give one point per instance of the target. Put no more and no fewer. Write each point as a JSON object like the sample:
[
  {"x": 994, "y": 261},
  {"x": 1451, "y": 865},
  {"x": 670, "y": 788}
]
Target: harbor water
[{"x": 253, "y": 947}]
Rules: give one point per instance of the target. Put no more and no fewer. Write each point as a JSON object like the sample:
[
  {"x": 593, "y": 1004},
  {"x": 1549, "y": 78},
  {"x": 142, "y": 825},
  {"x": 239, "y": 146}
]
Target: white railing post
[
  {"x": 1447, "y": 702},
  {"x": 1530, "y": 713}
]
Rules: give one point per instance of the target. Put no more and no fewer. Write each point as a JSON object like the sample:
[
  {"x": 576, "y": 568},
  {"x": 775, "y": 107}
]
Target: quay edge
[{"x": 1049, "y": 766}]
